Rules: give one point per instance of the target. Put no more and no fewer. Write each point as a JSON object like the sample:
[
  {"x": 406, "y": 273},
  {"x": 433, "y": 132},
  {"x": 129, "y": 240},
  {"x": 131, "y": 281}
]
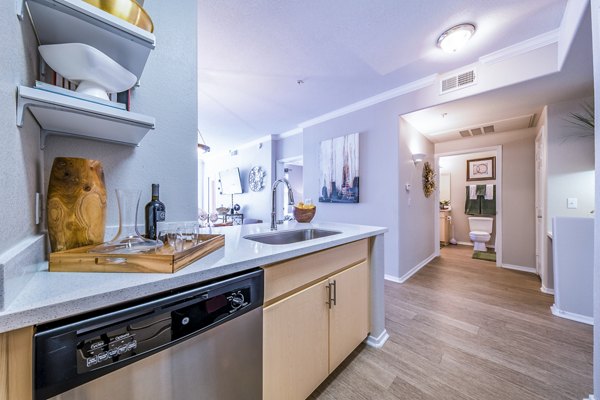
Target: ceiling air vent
[
  {"x": 457, "y": 81},
  {"x": 488, "y": 129},
  {"x": 477, "y": 131}
]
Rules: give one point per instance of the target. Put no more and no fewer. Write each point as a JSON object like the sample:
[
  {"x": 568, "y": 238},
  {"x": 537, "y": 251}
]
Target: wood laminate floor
[{"x": 466, "y": 329}]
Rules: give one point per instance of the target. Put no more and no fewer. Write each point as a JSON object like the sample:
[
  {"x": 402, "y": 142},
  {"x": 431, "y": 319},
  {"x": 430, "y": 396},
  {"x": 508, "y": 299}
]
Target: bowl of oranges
[{"x": 305, "y": 211}]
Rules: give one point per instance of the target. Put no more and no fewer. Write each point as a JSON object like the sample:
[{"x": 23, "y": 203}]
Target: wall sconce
[{"x": 418, "y": 158}]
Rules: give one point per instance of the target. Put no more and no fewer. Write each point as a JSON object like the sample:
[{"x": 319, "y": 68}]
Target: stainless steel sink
[{"x": 287, "y": 237}]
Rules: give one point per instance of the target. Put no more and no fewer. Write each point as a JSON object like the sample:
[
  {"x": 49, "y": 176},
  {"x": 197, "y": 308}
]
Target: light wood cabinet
[
  {"x": 16, "y": 371},
  {"x": 349, "y": 317},
  {"x": 444, "y": 227},
  {"x": 296, "y": 329},
  {"x": 310, "y": 328}
]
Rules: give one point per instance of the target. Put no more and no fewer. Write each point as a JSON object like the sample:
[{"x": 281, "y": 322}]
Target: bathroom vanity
[{"x": 444, "y": 227}]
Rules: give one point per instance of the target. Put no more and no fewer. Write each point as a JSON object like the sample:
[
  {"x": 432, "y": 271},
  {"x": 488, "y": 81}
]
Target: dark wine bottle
[{"x": 155, "y": 212}]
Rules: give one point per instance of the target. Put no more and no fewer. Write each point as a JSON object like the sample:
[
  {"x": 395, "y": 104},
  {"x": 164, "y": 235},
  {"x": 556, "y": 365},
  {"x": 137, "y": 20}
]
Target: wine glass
[
  {"x": 213, "y": 217},
  {"x": 202, "y": 217}
]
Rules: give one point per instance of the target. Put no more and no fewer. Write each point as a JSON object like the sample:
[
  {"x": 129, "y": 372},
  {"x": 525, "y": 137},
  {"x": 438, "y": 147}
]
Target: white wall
[
  {"x": 456, "y": 166},
  {"x": 256, "y": 205},
  {"x": 518, "y": 190},
  {"x": 573, "y": 255},
  {"x": 169, "y": 92},
  {"x": 21, "y": 160},
  {"x": 415, "y": 211},
  {"x": 570, "y": 162},
  {"x": 288, "y": 147}
]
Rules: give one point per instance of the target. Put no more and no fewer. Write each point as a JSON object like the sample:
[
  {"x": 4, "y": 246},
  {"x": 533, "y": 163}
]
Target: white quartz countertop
[{"x": 53, "y": 295}]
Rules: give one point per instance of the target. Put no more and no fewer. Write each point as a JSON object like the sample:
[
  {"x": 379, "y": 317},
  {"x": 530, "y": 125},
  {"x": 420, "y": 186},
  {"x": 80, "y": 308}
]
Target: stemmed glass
[
  {"x": 202, "y": 217},
  {"x": 214, "y": 217}
]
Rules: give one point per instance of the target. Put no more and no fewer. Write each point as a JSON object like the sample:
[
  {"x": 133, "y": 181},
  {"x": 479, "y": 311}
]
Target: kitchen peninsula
[{"x": 51, "y": 296}]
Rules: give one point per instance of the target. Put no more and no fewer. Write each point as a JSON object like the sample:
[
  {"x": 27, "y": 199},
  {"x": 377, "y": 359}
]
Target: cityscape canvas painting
[{"x": 338, "y": 163}]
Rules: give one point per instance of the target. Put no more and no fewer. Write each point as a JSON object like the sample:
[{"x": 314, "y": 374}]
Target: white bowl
[{"x": 95, "y": 73}]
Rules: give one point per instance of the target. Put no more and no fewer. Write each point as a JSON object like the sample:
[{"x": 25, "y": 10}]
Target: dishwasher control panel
[{"x": 81, "y": 350}]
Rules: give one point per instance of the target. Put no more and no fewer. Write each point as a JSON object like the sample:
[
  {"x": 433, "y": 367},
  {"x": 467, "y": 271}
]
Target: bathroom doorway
[{"x": 451, "y": 207}]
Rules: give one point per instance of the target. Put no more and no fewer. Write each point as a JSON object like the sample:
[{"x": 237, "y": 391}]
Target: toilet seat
[{"x": 479, "y": 236}]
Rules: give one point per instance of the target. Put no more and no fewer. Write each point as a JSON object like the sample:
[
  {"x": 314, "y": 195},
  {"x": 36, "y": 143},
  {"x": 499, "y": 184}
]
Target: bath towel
[
  {"x": 472, "y": 207},
  {"x": 489, "y": 192},
  {"x": 472, "y": 194},
  {"x": 480, "y": 190},
  {"x": 488, "y": 207}
]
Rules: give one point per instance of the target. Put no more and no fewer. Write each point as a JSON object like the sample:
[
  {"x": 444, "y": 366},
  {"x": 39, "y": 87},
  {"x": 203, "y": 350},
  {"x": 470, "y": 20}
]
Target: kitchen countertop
[{"x": 53, "y": 295}]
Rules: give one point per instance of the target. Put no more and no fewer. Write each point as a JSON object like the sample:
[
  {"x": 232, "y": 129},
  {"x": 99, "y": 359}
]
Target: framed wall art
[
  {"x": 481, "y": 169},
  {"x": 338, "y": 163}
]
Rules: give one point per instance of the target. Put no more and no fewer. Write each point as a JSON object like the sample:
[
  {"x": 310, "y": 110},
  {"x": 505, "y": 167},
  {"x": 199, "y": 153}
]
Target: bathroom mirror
[{"x": 444, "y": 186}]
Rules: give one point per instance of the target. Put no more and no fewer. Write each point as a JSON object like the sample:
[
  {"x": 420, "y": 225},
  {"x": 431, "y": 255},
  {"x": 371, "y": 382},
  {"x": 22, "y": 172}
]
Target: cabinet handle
[
  {"x": 331, "y": 294},
  {"x": 334, "y": 284}
]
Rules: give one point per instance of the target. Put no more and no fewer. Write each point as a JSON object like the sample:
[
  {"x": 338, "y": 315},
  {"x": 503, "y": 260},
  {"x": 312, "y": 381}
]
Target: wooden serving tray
[{"x": 163, "y": 261}]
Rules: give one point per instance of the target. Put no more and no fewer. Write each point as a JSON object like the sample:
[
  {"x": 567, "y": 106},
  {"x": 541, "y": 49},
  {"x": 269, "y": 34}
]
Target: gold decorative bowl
[{"x": 127, "y": 10}]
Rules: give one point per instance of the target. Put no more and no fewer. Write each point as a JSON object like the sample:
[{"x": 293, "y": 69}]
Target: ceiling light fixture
[
  {"x": 456, "y": 37},
  {"x": 203, "y": 147}
]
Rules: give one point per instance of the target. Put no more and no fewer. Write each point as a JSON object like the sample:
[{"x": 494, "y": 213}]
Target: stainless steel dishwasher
[{"x": 200, "y": 342}]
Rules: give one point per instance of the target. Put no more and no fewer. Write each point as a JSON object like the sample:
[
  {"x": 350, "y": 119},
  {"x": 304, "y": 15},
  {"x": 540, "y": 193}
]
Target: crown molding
[
  {"x": 287, "y": 134},
  {"x": 523, "y": 47},
  {"x": 370, "y": 101},
  {"x": 227, "y": 153}
]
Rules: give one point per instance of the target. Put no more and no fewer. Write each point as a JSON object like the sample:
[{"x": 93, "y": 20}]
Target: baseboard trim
[
  {"x": 572, "y": 316},
  {"x": 520, "y": 268},
  {"x": 544, "y": 289},
  {"x": 410, "y": 273},
  {"x": 392, "y": 278},
  {"x": 379, "y": 341}
]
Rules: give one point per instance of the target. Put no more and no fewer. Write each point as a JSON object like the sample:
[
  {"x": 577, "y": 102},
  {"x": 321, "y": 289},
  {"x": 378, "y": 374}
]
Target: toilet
[{"x": 481, "y": 232}]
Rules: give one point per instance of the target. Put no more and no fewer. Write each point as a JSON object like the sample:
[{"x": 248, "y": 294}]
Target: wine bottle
[{"x": 155, "y": 212}]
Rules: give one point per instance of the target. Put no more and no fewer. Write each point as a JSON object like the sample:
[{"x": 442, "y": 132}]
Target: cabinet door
[
  {"x": 349, "y": 317},
  {"x": 295, "y": 344}
]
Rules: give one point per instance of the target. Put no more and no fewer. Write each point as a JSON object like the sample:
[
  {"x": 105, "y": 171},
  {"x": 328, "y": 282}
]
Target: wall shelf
[
  {"x": 74, "y": 21},
  {"x": 61, "y": 115}
]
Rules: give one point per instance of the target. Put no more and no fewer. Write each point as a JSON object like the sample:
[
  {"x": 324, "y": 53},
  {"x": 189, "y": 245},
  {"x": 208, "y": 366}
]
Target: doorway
[
  {"x": 290, "y": 168},
  {"x": 451, "y": 170}
]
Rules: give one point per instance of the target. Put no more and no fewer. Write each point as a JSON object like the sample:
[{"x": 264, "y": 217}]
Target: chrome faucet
[{"x": 273, "y": 209}]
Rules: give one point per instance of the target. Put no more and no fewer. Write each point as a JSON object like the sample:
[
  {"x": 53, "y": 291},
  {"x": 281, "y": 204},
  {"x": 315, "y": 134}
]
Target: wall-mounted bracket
[{"x": 20, "y": 8}]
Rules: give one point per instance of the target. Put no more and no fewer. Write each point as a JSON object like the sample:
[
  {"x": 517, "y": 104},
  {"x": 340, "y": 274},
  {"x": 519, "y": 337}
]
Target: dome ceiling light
[{"x": 456, "y": 37}]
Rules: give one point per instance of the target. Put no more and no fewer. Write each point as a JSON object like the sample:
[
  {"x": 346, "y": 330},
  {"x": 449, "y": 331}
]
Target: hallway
[{"x": 466, "y": 329}]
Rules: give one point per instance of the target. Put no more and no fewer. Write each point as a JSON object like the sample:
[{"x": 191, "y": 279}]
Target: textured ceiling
[{"x": 252, "y": 53}]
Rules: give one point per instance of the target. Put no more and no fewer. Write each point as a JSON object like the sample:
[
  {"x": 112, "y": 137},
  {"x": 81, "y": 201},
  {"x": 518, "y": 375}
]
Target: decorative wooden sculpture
[{"x": 76, "y": 203}]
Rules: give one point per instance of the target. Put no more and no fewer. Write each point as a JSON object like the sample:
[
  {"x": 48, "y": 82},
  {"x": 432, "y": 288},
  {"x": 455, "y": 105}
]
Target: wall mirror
[{"x": 444, "y": 186}]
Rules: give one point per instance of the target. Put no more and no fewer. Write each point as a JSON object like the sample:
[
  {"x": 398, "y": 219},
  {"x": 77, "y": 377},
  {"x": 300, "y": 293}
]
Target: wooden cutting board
[{"x": 76, "y": 203}]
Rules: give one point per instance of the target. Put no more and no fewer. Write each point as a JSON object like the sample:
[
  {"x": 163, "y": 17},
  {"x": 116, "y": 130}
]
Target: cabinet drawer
[{"x": 287, "y": 276}]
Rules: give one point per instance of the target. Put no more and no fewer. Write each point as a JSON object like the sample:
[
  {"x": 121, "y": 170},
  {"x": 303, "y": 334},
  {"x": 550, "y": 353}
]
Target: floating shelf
[
  {"x": 74, "y": 21},
  {"x": 62, "y": 115}
]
